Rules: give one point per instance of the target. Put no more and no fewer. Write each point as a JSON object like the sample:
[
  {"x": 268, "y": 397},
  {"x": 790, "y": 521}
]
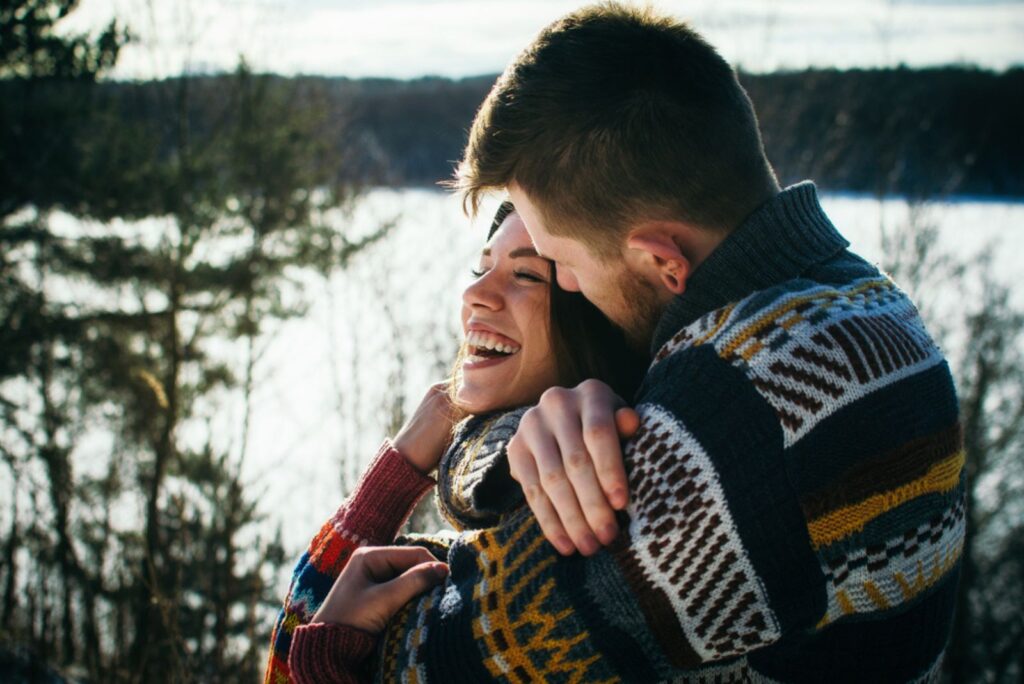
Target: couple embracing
[{"x": 689, "y": 436}]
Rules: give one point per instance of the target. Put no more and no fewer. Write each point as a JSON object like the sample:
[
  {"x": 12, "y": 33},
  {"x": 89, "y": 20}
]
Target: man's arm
[{"x": 722, "y": 551}]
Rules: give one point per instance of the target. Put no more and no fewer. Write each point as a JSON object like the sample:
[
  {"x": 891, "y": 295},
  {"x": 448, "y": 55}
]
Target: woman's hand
[
  {"x": 427, "y": 433},
  {"x": 567, "y": 456},
  {"x": 376, "y": 583}
]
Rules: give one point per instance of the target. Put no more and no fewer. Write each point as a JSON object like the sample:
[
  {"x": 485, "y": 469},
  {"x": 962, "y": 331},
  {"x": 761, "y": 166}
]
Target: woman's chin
[{"x": 475, "y": 400}]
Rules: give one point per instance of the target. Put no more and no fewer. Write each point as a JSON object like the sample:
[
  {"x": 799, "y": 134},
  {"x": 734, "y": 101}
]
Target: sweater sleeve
[
  {"x": 329, "y": 654},
  {"x": 715, "y": 562},
  {"x": 371, "y": 515}
]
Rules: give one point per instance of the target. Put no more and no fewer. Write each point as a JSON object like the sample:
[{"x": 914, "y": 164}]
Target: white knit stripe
[
  {"x": 793, "y": 336},
  {"x": 764, "y": 365},
  {"x": 416, "y": 637},
  {"x": 910, "y": 565},
  {"x": 672, "y": 560}
]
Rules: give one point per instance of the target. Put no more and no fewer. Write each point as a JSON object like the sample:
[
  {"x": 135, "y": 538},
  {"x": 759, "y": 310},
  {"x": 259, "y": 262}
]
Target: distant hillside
[
  {"x": 940, "y": 131},
  {"x": 929, "y": 132}
]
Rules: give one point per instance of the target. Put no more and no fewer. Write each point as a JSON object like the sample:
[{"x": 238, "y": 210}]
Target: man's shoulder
[{"x": 808, "y": 347}]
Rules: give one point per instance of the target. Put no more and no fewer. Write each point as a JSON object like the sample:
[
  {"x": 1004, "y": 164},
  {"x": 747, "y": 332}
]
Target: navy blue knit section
[
  {"x": 451, "y": 652},
  {"x": 935, "y": 509},
  {"x": 601, "y": 598},
  {"x": 694, "y": 384},
  {"x": 895, "y": 648},
  {"x": 779, "y": 241},
  {"x": 917, "y": 406}
]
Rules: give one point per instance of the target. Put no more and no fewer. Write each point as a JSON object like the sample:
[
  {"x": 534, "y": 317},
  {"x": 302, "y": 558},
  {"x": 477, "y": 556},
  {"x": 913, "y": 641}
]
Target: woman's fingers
[
  {"x": 376, "y": 583},
  {"x": 427, "y": 432},
  {"x": 384, "y": 563},
  {"x": 395, "y": 593}
]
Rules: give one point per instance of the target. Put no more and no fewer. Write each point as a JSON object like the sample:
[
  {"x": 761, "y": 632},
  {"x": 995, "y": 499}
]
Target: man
[
  {"x": 795, "y": 487},
  {"x": 790, "y": 498}
]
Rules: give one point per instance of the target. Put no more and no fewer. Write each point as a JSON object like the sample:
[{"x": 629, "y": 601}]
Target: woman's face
[{"x": 506, "y": 358}]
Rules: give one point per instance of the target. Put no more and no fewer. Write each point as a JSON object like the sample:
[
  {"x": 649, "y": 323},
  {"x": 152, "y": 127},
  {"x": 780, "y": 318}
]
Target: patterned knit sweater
[{"x": 796, "y": 509}]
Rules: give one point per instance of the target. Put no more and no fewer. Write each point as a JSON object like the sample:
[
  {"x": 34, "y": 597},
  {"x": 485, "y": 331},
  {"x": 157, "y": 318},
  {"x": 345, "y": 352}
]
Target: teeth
[{"x": 487, "y": 341}]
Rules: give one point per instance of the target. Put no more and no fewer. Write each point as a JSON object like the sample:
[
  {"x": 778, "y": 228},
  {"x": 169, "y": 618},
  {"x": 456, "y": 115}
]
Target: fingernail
[
  {"x": 440, "y": 571},
  {"x": 564, "y": 546},
  {"x": 619, "y": 499},
  {"x": 588, "y": 545},
  {"x": 609, "y": 532}
]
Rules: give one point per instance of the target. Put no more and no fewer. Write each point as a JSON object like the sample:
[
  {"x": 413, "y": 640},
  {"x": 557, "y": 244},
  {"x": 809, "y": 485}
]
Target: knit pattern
[
  {"x": 372, "y": 515},
  {"x": 474, "y": 486},
  {"x": 796, "y": 509}
]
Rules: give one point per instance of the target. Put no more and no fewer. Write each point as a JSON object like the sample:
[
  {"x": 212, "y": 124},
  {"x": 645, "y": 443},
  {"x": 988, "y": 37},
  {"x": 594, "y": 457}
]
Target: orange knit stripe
[{"x": 941, "y": 477}]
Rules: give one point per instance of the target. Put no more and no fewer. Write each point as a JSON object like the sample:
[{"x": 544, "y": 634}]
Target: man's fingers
[
  {"x": 601, "y": 437},
  {"x": 627, "y": 421},
  {"x": 384, "y": 563},
  {"x": 559, "y": 490},
  {"x": 523, "y": 468},
  {"x": 585, "y": 495},
  {"x": 548, "y": 520}
]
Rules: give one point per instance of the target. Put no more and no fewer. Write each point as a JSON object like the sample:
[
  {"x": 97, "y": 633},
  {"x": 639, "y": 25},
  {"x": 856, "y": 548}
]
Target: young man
[{"x": 795, "y": 488}]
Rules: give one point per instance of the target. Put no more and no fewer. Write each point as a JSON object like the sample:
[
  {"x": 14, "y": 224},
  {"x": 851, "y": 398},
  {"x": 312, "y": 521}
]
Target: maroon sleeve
[{"x": 329, "y": 654}]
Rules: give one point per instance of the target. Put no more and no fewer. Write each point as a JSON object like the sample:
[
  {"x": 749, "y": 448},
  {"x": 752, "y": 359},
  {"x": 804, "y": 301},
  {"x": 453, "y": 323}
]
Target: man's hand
[
  {"x": 567, "y": 455},
  {"x": 376, "y": 583},
  {"x": 427, "y": 433}
]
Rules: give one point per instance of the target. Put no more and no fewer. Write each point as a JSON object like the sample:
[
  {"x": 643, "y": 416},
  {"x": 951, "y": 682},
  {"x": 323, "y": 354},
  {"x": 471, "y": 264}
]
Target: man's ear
[{"x": 672, "y": 265}]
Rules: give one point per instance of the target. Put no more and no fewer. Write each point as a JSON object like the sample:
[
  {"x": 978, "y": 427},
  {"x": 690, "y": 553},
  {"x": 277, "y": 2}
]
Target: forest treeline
[{"x": 918, "y": 133}]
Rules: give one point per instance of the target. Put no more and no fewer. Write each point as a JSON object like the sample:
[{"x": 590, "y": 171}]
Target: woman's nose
[{"x": 484, "y": 291}]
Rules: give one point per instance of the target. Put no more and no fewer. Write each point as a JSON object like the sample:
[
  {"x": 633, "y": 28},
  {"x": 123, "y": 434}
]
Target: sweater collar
[{"x": 782, "y": 238}]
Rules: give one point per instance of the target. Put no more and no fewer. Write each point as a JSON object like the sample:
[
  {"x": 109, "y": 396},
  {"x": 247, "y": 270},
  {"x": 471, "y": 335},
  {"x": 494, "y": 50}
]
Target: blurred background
[{"x": 227, "y": 273}]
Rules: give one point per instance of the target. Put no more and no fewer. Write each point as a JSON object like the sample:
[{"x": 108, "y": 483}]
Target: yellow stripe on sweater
[
  {"x": 768, "y": 318},
  {"x": 941, "y": 477}
]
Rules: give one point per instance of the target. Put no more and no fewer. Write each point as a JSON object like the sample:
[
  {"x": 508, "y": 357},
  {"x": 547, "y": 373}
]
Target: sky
[{"x": 456, "y": 38}]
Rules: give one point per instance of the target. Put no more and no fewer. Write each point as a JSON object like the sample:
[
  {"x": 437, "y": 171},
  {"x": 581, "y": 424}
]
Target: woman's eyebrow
[{"x": 516, "y": 253}]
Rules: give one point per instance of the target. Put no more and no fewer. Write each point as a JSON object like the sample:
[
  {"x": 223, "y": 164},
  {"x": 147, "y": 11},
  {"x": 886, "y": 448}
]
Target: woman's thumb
[{"x": 413, "y": 582}]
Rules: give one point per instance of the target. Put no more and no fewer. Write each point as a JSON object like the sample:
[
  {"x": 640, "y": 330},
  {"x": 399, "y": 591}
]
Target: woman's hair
[{"x": 584, "y": 342}]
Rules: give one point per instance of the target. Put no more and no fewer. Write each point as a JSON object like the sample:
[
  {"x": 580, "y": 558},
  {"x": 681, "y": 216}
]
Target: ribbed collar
[{"x": 782, "y": 238}]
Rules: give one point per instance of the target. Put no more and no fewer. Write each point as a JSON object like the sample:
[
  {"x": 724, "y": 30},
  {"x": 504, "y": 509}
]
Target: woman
[{"x": 521, "y": 335}]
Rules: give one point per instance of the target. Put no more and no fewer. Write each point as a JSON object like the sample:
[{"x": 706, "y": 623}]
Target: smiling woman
[
  {"x": 521, "y": 335},
  {"x": 506, "y": 359}
]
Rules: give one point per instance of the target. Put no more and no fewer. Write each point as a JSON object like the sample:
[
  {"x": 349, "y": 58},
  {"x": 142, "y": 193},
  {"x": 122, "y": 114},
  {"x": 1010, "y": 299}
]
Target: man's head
[{"x": 615, "y": 125}]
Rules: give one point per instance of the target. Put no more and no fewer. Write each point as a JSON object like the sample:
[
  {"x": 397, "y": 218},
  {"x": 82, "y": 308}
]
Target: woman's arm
[
  {"x": 372, "y": 515},
  {"x": 369, "y": 591}
]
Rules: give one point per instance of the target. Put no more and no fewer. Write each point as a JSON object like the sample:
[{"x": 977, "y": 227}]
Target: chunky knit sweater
[{"x": 796, "y": 509}]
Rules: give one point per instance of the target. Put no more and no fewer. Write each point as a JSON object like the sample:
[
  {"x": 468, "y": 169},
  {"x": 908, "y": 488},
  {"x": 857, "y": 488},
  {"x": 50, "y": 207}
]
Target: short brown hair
[{"x": 615, "y": 114}]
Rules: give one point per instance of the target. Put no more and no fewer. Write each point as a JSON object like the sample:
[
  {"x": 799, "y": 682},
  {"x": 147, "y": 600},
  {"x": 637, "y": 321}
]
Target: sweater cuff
[
  {"x": 325, "y": 652},
  {"x": 385, "y": 496}
]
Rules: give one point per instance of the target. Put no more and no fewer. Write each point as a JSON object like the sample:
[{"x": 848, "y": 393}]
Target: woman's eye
[{"x": 531, "y": 277}]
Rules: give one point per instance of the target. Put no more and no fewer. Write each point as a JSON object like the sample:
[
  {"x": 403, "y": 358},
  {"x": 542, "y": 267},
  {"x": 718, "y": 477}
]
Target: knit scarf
[{"x": 474, "y": 486}]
